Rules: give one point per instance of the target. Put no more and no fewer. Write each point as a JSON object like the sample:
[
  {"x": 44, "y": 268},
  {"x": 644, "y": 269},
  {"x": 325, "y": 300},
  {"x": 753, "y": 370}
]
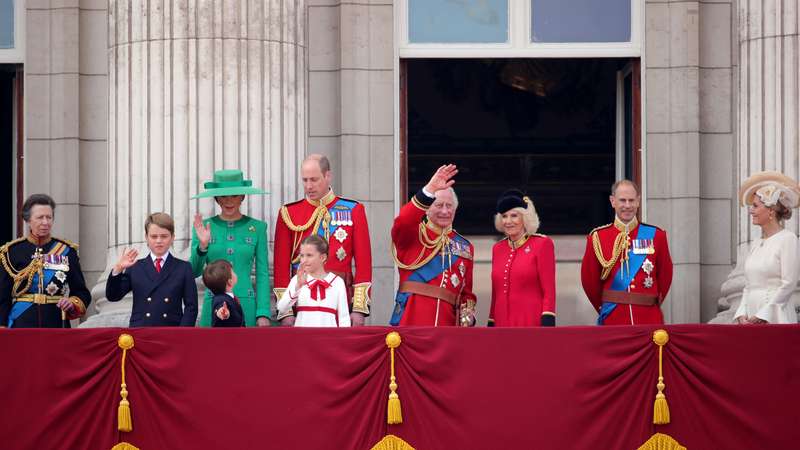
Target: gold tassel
[
  {"x": 660, "y": 407},
  {"x": 124, "y": 421},
  {"x": 661, "y": 441},
  {"x": 392, "y": 442},
  {"x": 394, "y": 414},
  {"x": 124, "y": 446}
]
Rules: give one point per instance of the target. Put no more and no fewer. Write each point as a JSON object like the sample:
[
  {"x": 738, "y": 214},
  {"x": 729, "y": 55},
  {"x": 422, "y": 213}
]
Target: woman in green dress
[{"x": 237, "y": 238}]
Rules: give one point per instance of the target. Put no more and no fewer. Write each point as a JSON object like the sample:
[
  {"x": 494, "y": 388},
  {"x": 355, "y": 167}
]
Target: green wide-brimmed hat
[{"x": 229, "y": 182}]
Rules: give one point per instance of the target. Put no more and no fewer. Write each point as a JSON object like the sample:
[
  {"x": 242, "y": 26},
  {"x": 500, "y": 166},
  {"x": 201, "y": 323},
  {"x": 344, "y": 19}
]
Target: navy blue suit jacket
[
  {"x": 236, "y": 318},
  {"x": 166, "y": 298}
]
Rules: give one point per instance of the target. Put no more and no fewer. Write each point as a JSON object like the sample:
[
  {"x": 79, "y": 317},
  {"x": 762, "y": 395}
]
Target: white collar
[
  {"x": 328, "y": 278},
  {"x": 230, "y": 294},
  {"x": 164, "y": 257}
]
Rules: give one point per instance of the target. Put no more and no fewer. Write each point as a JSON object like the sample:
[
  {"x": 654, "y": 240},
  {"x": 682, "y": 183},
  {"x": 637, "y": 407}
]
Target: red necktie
[
  {"x": 317, "y": 288},
  {"x": 158, "y": 265}
]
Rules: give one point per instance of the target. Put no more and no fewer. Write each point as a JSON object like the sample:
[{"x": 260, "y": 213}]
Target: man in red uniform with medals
[
  {"x": 434, "y": 262},
  {"x": 342, "y": 222},
  {"x": 627, "y": 270}
]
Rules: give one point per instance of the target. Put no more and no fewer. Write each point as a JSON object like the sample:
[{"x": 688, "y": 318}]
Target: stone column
[
  {"x": 350, "y": 65},
  {"x": 65, "y": 133},
  {"x": 196, "y": 86},
  {"x": 768, "y": 119}
]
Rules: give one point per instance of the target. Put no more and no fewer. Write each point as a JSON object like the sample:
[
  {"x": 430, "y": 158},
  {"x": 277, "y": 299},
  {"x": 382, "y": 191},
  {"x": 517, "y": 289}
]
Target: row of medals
[{"x": 645, "y": 247}]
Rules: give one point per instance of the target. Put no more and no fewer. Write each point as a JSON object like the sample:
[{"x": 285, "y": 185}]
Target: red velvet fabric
[{"x": 728, "y": 387}]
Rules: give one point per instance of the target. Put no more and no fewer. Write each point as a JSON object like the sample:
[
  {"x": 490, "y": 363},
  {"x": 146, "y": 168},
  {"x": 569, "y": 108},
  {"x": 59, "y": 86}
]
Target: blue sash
[
  {"x": 19, "y": 308},
  {"x": 424, "y": 274},
  {"x": 621, "y": 279}
]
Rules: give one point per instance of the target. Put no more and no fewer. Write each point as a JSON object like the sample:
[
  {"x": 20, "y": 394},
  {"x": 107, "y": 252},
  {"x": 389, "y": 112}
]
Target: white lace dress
[{"x": 771, "y": 272}]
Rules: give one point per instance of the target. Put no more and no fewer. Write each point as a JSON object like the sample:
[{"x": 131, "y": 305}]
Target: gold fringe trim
[
  {"x": 124, "y": 446},
  {"x": 661, "y": 441},
  {"x": 124, "y": 420},
  {"x": 394, "y": 413},
  {"x": 392, "y": 442},
  {"x": 660, "y": 407}
]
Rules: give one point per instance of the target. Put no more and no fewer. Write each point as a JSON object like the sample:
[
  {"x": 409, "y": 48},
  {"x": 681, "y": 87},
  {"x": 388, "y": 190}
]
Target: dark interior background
[
  {"x": 545, "y": 126},
  {"x": 7, "y": 73}
]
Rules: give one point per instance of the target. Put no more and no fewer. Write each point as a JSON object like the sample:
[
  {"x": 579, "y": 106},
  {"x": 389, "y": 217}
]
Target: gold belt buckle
[{"x": 39, "y": 299}]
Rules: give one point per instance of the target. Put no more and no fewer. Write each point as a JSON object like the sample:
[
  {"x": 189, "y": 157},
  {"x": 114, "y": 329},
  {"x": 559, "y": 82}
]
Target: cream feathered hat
[{"x": 771, "y": 188}]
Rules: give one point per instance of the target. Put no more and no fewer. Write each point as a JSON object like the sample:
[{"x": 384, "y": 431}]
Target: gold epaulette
[
  {"x": 68, "y": 242},
  {"x": 601, "y": 227},
  {"x": 4, "y": 248},
  {"x": 539, "y": 234}
]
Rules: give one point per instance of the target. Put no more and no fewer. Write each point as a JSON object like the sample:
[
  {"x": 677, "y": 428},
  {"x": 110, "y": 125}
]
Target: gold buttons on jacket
[
  {"x": 166, "y": 300},
  {"x": 147, "y": 314},
  {"x": 165, "y": 315},
  {"x": 149, "y": 299}
]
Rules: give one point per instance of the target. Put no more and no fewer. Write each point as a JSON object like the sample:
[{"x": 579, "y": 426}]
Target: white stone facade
[{"x": 195, "y": 86}]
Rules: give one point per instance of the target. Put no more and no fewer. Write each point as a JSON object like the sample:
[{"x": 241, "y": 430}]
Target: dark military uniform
[{"x": 33, "y": 278}]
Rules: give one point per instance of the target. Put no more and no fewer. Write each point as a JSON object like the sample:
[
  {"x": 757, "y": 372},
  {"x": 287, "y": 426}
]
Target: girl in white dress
[
  {"x": 771, "y": 268},
  {"x": 319, "y": 297}
]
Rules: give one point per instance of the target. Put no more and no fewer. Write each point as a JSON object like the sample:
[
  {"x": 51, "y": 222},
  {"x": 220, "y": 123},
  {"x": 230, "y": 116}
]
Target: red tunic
[
  {"x": 422, "y": 309},
  {"x": 348, "y": 246},
  {"x": 523, "y": 282},
  {"x": 661, "y": 276}
]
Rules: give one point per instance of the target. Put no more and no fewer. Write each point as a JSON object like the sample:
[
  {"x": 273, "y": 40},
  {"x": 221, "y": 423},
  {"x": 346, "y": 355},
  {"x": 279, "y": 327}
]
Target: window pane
[
  {"x": 581, "y": 20},
  {"x": 6, "y": 23},
  {"x": 458, "y": 21}
]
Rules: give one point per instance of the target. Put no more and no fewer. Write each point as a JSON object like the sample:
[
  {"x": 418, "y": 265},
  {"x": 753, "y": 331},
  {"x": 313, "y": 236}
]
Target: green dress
[{"x": 242, "y": 243}]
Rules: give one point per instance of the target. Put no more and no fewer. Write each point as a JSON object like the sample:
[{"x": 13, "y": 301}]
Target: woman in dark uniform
[{"x": 41, "y": 283}]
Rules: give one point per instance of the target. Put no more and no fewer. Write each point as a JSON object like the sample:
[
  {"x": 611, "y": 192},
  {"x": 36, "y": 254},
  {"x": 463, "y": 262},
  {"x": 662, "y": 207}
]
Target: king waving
[{"x": 434, "y": 261}]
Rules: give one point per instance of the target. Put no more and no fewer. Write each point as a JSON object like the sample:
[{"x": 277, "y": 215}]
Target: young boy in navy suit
[
  {"x": 164, "y": 291},
  {"x": 220, "y": 278}
]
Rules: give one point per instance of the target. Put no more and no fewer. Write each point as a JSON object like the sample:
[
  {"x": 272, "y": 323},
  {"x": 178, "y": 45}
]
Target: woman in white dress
[
  {"x": 319, "y": 298},
  {"x": 771, "y": 268}
]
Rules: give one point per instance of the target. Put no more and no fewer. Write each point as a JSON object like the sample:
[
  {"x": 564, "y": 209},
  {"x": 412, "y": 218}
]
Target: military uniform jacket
[
  {"x": 160, "y": 299},
  {"x": 343, "y": 222},
  {"x": 452, "y": 266},
  {"x": 243, "y": 243},
  {"x": 56, "y": 274},
  {"x": 653, "y": 278}
]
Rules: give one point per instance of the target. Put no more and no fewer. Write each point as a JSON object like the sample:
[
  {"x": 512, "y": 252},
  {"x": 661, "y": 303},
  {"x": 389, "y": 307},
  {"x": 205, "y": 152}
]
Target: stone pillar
[
  {"x": 66, "y": 88},
  {"x": 767, "y": 114},
  {"x": 672, "y": 121},
  {"x": 350, "y": 67},
  {"x": 196, "y": 86}
]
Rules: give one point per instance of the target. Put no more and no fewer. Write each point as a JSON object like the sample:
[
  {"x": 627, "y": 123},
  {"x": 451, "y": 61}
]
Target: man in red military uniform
[
  {"x": 434, "y": 262},
  {"x": 343, "y": 222},
  {"x": 627, "y": 270}
]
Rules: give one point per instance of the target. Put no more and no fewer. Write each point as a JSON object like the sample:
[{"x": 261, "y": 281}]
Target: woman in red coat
[{"x": 523, "y": 267}]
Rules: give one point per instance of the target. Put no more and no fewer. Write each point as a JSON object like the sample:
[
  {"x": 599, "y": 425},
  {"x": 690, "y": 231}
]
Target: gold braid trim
[
  {"x": 440, "y": 243},
  {"x": 22, "y": 276},
  {"x": 320, "y": 214},
  {"x": 620, "y": 248},
  {"x": 361, "y": 298}
]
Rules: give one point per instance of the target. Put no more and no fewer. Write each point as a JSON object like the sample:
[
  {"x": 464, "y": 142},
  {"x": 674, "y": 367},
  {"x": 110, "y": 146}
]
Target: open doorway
[
  {"x": 562, "y": 130},
  {"x": 10, "y": 150}
]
